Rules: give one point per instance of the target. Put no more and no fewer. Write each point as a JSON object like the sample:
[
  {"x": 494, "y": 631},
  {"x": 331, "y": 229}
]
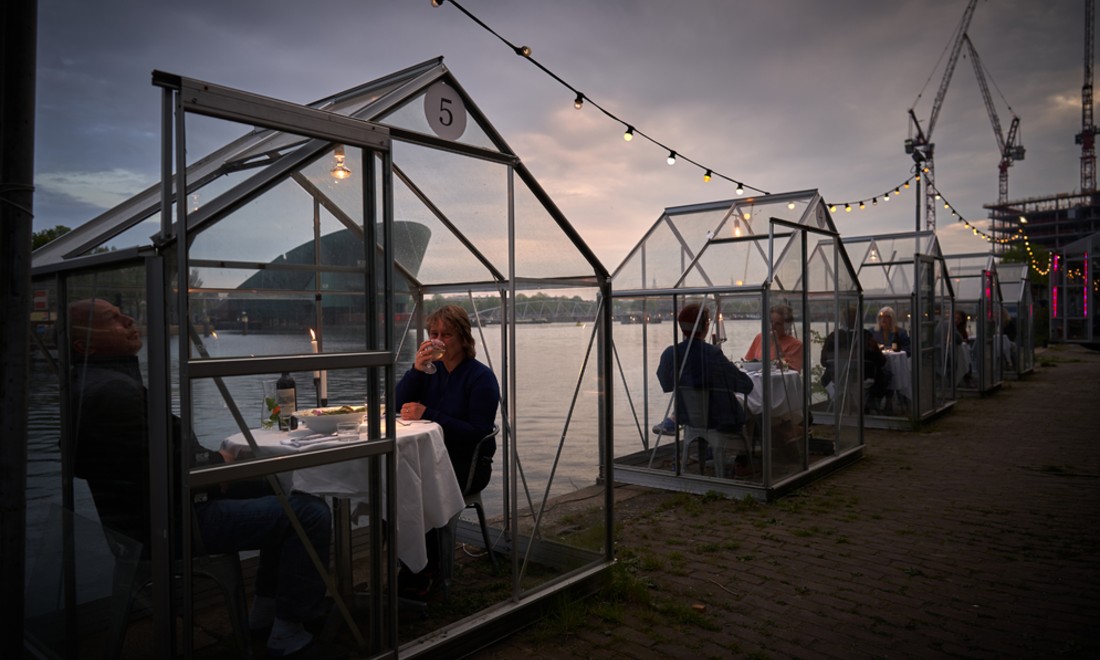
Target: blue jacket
[
  {"x": 464, "y": 402},
  {"x": 899, "y": 335},
  {"x": 705, "y": 367}
]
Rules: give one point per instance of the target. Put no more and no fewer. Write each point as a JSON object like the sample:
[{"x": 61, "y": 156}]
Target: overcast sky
[{"x": 781, "y": 94}]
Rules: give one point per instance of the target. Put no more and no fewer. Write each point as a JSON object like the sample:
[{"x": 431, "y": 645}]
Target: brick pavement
[{"x": 975, "y": 537}]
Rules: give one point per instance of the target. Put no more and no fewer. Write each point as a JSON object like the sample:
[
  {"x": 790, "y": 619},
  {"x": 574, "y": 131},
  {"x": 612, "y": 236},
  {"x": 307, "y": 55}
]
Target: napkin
[{"x": 307, "y": 440}]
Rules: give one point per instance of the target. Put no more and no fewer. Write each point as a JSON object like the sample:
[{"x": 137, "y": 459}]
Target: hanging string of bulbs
[
  {"x": 580, "y": 98},
  {"x": 1020, "y": 234},
  {"x": 630, "y": 132}
]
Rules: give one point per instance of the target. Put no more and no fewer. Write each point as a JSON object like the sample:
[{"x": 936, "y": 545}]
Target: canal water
[{"x": 554, "y": 384}]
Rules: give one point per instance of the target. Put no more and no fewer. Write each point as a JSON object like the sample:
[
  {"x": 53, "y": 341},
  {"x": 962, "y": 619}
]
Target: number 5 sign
[{"x": 445, "y": 111}]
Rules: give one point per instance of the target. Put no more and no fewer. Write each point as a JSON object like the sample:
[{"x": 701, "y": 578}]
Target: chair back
[
  {"x": 479, "y": 449},
  {"x": 697, "y": 406}
]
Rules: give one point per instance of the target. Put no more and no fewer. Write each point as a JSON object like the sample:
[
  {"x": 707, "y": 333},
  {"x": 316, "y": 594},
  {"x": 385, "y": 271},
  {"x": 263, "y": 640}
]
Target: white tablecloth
[
  {"x": 786, "y": 393},
  {"x": 900, "y": 366},
  {"x": 428, "y": 494},
  {"x": 962, "y": 365}
]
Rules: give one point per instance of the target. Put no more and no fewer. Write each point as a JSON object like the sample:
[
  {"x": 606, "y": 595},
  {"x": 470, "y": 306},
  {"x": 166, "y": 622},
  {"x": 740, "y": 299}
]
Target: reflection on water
[{"x": 550, "y": 360}]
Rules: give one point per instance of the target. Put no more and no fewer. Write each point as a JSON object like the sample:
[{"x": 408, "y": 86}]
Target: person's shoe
[
  {"x": 667, "y": 427},
  {"x": 416, "y": 586}
]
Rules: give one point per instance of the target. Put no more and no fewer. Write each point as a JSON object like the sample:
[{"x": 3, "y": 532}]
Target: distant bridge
[{"x": 544, "y": 311}]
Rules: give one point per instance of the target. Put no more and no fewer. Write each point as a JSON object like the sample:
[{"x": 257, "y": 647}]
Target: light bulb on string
[
  {"x": 886, "y": 197},
  {"x": 832, "y": 208},
  {"x": 862, "y": 205},
  {"x": 523, "y": 51},
  {"x": 706, "y": 176},
  {"x": 436, "y": 3},
  {"x": 629, "y": 134},
  {"x": 916, "y": 177},
  {"x": 907, "y": 184},
  {"x": 847, "y": 208},
  {"x": 897, "y": 191},
  {"x": 874, "y": 201},
  {"x": 740, "y": 190},
  {"x": 579, "y": 102},
  {"x": 671, "y": 160}
]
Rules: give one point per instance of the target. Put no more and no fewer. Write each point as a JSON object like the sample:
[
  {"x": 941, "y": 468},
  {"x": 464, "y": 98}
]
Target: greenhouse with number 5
[
  {"x": 250, "y": 336},
  {"x": 733, "y": 328}
]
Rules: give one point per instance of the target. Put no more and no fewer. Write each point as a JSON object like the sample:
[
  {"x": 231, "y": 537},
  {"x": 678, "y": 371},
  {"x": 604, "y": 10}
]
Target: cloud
[{"x": 100, "y": 189}]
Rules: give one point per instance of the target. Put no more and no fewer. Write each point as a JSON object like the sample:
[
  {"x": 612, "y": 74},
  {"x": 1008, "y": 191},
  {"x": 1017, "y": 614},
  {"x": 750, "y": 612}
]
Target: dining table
[
  {"x": 900, "y": 366},
  {"x": 786, "y": 394},
  {"x": 428, "y": 493}
]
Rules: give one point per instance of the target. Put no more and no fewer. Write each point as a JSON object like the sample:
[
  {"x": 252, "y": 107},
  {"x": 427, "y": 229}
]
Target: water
[{"x": 554, "y": 384}]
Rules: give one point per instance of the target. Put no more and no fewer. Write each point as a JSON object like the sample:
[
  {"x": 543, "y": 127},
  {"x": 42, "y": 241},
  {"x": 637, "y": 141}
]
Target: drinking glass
[
  {"x": 438, "y": 349},
  {"x": 347, "y": 431}
]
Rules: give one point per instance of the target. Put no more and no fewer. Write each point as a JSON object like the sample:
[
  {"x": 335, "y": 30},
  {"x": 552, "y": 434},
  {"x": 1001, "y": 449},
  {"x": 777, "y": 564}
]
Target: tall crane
[
  {"x": 1010, "y": 150},
  {"x": 1087, "y": 137},
  {"x": 920, "y": 145}
]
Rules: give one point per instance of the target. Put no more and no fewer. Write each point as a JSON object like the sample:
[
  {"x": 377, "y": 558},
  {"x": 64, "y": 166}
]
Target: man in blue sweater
[{"x": 462, "y": 396}]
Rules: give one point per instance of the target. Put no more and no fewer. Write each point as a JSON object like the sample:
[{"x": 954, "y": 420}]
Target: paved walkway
[{"x": 977, "y": 537}]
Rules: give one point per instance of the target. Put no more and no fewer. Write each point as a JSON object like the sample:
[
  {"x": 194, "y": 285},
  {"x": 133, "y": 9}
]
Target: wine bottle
[{"x": 286, "y": 395}]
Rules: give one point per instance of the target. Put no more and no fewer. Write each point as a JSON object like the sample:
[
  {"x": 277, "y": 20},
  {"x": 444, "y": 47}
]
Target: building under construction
[{"x": 1051, "y": 222}]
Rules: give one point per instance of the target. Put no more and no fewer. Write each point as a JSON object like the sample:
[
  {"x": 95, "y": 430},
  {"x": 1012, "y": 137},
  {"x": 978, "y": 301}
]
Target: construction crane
[
  {"x": 919, "y": 145},
  {"x": 1087, "y": 137},
  {"x": 1010, "y": 150}
]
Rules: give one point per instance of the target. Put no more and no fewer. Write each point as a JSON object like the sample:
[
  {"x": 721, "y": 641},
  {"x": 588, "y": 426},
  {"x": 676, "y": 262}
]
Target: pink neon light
[
  {"x": 1054, "y": 301},
  {"x": 1088, "y": 283}
]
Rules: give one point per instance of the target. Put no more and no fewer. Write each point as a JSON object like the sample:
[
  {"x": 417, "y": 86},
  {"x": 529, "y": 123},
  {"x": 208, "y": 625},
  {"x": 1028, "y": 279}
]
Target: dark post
[{"x": 18, "y": 27}]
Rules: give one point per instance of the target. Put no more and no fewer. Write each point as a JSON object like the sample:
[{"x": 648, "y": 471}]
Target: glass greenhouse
[
  {"x": 770, "y": 272},
  {"x": 978, "y": 296},
  {"x": 906, "y": 273},
  {"x": 312, "y": 242},
  {"x": 1074, "y": 286},
  {"x": 1019, "y": 327}
]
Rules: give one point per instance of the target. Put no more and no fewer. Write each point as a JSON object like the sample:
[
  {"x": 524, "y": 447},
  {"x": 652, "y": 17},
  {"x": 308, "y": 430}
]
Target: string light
[
  {"x": 525, "y": 51},
  {"x": 706, "y": 177},
  {"x": 671, "y": 160}
]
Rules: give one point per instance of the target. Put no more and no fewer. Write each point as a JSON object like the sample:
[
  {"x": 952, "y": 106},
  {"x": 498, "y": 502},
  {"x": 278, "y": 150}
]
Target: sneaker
[{"x": 667, "y": 427}]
